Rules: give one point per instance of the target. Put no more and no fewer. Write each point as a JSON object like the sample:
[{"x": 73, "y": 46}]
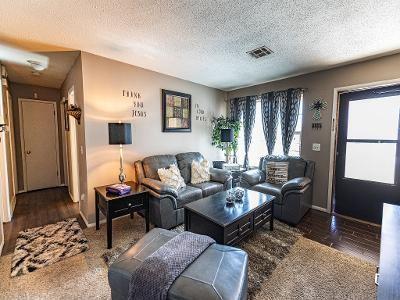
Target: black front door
[{"x": 368, "y": 151}]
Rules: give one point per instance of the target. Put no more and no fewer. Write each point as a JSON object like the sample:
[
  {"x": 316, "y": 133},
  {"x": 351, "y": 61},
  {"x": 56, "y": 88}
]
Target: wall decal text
[
  {"x": 131, "y": 94},
  {"x": 200, "y": 113}
]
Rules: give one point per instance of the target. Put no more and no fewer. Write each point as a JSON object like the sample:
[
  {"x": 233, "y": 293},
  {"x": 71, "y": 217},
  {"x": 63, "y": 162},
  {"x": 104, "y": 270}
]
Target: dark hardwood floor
[
  {"x": 39, "y": 208},
  {"x": 349, "y": 236},
  {"x": 49, "y": 206}
]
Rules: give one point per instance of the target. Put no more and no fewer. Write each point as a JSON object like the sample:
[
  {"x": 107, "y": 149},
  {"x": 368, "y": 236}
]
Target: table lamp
[
  {"x": 120, "y": 134},
  {"x": 227, "y": 137}
]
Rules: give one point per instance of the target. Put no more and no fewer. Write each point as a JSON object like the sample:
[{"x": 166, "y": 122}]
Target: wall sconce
[
  {"x": 75, "y": 112},
  {"x": 2, "y": 124}
]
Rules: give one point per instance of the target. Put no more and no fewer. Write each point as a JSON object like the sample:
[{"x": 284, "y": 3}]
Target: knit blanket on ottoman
[{"x": 158, "y": 271}]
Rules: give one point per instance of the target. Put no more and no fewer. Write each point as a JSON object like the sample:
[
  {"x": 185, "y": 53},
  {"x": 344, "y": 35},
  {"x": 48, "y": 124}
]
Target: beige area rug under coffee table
[{"x": 309, "y": 271}]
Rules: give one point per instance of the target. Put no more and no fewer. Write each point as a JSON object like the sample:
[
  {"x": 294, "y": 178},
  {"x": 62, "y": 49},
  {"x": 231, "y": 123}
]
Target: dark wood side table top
[
  {"x": 214, "y": 207},
  {"x": 136, "y": 189}
]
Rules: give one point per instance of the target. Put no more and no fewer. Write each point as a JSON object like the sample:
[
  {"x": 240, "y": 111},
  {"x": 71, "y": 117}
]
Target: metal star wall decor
[{"x": 317, "y": 106}]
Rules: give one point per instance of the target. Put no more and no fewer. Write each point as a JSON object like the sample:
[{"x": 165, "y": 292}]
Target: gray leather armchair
[
  {"x": 166, "y": 204},
  {"x": 294, "y": 198}
]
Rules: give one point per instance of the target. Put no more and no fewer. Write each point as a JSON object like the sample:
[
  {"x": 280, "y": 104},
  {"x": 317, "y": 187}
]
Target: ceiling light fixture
[
  {"x": 260, "y": 52},
  {"x": 35, "y": 65}
]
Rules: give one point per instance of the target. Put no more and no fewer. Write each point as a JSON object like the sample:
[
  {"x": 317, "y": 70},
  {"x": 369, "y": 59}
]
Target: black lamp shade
[
  {"x": 119, "y": 133},
  {"x": 227, "y": 135}
]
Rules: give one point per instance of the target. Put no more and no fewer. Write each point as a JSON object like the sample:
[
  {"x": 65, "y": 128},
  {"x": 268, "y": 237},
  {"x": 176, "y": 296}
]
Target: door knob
[{"x": 28, "y": 152}]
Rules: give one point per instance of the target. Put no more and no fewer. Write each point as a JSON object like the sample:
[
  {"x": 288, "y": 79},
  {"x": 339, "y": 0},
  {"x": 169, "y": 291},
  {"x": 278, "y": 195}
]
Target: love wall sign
[{"x": 138, "y": 109}]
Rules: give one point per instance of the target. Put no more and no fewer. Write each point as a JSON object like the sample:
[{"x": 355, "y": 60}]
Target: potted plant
[{"x": 223, "y": 123}]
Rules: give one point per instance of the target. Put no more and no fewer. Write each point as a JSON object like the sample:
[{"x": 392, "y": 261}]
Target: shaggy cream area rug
[
  {"x": 308, "y": 271},
  {"x": 42, "y": 246}
]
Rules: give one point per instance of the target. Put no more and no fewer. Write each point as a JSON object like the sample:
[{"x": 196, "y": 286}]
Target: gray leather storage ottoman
[{"x": 220, "y": 272}]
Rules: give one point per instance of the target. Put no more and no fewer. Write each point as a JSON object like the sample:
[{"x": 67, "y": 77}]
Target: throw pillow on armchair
[{"x": 277, "y": 172}]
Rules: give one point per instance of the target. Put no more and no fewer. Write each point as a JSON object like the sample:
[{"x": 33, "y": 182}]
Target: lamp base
[{"x": 122, "y": 177}]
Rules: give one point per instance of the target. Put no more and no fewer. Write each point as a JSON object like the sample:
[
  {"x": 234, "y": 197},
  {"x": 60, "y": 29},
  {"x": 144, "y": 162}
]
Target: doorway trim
[
  {"x": 334, "y": 127},
  {"x": 22, "y": 139},
  {"x": 73, "y": 155}
]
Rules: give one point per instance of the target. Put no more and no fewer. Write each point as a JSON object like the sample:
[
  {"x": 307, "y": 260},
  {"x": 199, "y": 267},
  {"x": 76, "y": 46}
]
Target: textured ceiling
[
  {"x": 59, "y": 64},
  {"x": 205, "y": 41}
]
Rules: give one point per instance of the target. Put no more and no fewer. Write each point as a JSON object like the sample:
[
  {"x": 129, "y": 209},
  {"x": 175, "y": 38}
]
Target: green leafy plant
[{"x": 224, "y": 123}]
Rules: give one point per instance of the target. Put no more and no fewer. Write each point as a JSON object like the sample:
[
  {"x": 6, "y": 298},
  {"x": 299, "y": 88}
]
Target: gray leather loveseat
[
  {"x": 166, "y": 204},
  {"x": 294, "y": 198}
]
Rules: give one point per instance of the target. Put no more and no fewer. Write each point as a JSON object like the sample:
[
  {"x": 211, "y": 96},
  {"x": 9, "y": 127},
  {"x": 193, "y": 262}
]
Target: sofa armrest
[
  {"x": 253, "y": 177},
  {"x": 296, "y": 184},
  {"x": 219, "y": 175},
  {"x": 159, "y": 187}
]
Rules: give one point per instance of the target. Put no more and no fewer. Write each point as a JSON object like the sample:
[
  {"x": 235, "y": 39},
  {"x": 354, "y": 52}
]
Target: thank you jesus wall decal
[{"x": 138, "y": 108}]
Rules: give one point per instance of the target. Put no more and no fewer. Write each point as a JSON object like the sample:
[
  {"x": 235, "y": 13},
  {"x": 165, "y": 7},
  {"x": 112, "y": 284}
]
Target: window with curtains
[{"x": 258, "y": 147}]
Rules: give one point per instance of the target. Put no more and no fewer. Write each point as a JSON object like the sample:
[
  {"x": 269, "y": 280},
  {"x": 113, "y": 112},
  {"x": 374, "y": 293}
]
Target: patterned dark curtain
[
  {"x": 270, "y": 116},
  {"x": 289, "y": 105},
  {"x": 248, "y": 124},
  {"x": 236, "y": 107}
]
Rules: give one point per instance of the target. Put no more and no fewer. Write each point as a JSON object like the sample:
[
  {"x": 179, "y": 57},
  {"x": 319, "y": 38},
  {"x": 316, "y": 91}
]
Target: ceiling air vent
[{"x": 260, "y": 52}]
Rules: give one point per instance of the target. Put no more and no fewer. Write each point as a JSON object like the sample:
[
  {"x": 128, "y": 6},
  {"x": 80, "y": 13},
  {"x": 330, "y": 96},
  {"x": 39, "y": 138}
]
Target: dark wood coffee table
[{"x": 229, "y": 224}]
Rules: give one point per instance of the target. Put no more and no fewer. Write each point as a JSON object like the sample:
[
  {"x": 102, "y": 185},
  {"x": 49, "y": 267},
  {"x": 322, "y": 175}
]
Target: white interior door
[{"x": 40, "y": 144}]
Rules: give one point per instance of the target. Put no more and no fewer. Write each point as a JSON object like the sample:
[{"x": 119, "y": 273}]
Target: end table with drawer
[{"x": 113, "y": 206}]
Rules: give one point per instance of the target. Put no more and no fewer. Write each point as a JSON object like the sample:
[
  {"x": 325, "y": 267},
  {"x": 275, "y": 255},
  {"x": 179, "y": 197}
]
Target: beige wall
[
  {"x": 45, "y": 94},
  {"x": 104, "y": 80},
  {"x": 322, "y": 84},
  {"x": 74, "y": 79}
]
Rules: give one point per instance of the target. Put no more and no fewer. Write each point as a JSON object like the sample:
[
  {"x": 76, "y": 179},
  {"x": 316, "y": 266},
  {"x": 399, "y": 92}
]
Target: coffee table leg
[
  {"x": 271, "y": 222},
  {"x": 147, "y": 213}
]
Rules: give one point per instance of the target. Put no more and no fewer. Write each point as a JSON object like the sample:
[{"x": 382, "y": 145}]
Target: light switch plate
[{"x": 316, "y": 147}]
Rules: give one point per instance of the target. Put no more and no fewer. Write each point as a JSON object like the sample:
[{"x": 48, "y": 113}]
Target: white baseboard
[
  {"x": 1, "y": 246},
  {"x": 90, "y": 225},
  {"x": 319, "y": 208},
  {"x": 21, "y": 191}
]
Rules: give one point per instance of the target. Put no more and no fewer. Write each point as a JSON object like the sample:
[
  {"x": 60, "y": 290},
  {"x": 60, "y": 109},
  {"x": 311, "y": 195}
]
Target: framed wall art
[{"x": 176, "y": 111}]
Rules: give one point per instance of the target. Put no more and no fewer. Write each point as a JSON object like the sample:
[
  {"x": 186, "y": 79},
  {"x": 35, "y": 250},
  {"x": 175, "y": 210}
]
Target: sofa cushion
[
  {"x": 185, "y": 163},
  {"x": 188, "y": 194},
  {"x": 269, "y": 188},
  {"x": 152, "y": 163},
  {"x": 209, "y": 188},
  {"x": 220, "y": 272}
]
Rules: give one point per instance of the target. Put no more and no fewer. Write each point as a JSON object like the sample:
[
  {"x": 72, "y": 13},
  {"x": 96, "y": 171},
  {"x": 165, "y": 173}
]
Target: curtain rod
[{"x": 302, "y": 89}]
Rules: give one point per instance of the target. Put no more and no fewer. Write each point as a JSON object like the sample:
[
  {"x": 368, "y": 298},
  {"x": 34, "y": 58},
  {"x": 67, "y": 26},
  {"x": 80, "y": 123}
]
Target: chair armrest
[
  {"x": 219, "y": 175},
  {"x": 159, "y": 187},
  {"x": 296, "y": 184},
  {"x": 253, "y": 177}
]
